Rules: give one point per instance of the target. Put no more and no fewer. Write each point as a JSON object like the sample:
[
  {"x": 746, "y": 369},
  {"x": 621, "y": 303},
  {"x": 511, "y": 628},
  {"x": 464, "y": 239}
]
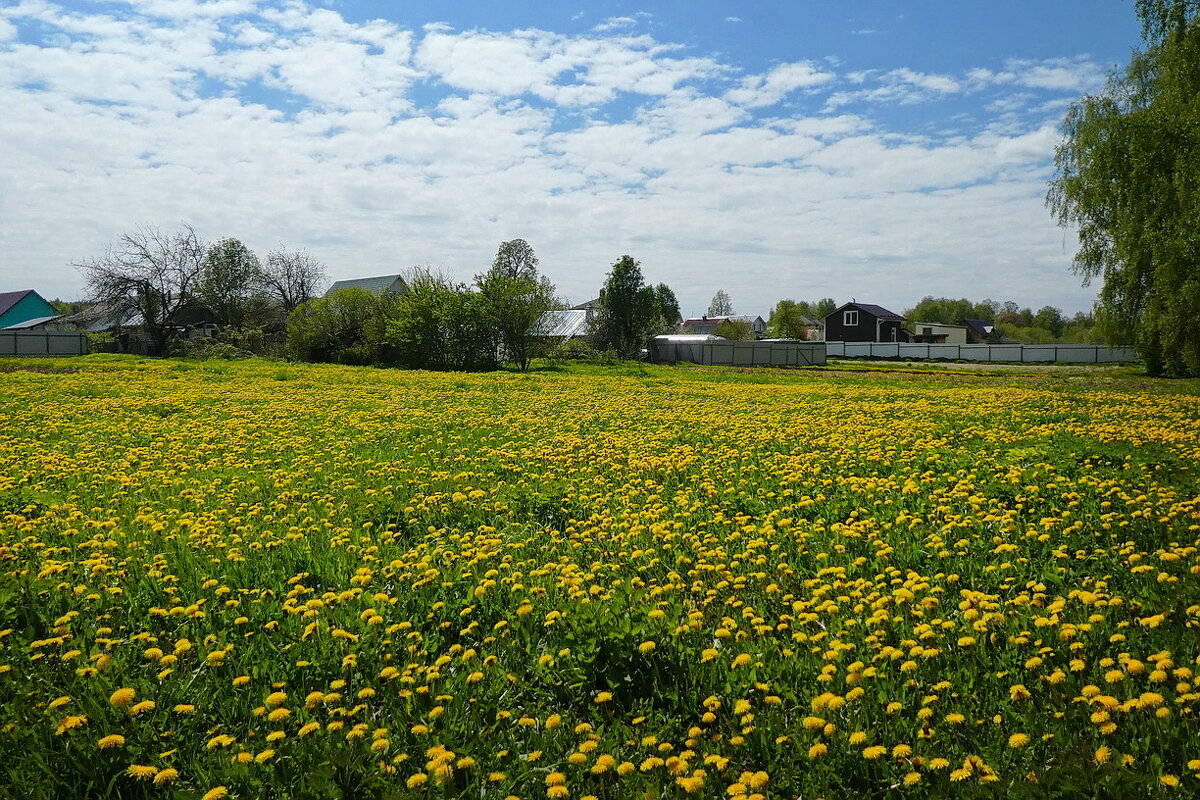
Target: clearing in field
[{"x": 254, "y": 580}]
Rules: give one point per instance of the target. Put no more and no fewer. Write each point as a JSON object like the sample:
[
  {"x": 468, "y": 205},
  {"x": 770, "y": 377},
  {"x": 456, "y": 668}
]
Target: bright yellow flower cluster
[{"x": 664, "y": 583}]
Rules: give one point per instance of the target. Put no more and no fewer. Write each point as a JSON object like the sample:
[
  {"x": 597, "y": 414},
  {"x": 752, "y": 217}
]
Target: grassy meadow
[{"x": 297, "y": 581}]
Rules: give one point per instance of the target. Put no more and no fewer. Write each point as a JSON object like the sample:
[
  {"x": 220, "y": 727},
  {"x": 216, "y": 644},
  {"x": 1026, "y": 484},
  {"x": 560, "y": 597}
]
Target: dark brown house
[{"x": 863, "y": 322}]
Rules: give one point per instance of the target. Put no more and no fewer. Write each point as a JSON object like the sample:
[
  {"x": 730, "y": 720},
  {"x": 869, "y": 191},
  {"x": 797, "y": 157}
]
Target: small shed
[
  {"x": 377, "y": 285},
  {"x": 863, "y": 322},
  {"x": 22, "y": 306}
]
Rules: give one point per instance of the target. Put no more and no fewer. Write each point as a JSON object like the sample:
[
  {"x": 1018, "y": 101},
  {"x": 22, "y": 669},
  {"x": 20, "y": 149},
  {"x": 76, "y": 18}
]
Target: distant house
[
  {"x": 937, "y": 333},
  {"x": 100, "y": 317},
  {"x": 814, "y": 329},
  {"x": 863, "y": 322},
  {"x": 384, "y": 283},
  {"x": 980, "y": 331},
  {"x": 25, "y": 309},
  {"x": 703, "y": 325}
]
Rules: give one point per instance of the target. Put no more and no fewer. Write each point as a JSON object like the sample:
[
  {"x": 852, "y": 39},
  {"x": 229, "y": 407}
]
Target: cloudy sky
[{"x": 872, "y": 149}]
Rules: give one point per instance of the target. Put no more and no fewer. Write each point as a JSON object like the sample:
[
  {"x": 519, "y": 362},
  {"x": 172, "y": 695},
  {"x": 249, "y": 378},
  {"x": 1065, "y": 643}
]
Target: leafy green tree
[
  {"x": 1051, "y": 319},
  {"x": 823, "y": 308},
  {"x": 630, "y": 312},
  {"x": 513, "y": 298},
  {"x": 737, "y": 330},
  {"x": 1128, "y": 178},
  {"x": 439, "y": 324},
  {"x": 348, "y": 326},
  {"x": 721, "y": 304},
  {"x": 668, "y": 306},
  {"x": 787, "y": 320},
  {"x": 229, "y": 282}
]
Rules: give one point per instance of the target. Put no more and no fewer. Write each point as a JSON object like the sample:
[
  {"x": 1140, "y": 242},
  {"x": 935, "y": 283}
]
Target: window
[
  {"x": 893, "y": 334},
  {"x": 849, "y": 318},
  {"x": 927, "y": 331}
]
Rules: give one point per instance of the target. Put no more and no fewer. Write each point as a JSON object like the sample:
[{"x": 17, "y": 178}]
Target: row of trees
[
  {"x": 1047, "y": 325},
  {"x": 438, "y": 323},
  {"x": 153, "y": 277}
]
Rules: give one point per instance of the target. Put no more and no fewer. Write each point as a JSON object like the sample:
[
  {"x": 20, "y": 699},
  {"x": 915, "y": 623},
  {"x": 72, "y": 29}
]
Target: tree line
[
  {"x": 272, "y": 306},
  {"x": 1047, "y": 325}
]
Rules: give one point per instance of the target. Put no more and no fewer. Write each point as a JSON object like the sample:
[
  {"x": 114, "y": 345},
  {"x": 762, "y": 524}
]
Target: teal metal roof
[{"x": 379, "y": 285}]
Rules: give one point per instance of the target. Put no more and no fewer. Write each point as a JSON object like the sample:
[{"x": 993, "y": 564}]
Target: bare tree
[
  {"x": 292, "y": 276},
  {"x": 147, "y": 274}
]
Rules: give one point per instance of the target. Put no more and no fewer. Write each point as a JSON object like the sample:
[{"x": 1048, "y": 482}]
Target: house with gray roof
[{"x": 378, "y": 285}]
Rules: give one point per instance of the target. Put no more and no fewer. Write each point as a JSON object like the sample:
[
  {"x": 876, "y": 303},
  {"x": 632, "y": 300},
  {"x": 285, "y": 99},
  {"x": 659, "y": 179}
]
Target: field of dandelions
[{"x": 260, "y": 580}]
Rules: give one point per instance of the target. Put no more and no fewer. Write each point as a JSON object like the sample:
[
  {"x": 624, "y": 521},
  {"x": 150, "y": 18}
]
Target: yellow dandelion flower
[
  {"x": 58, "y": 702},
  {"x": 166, "y": 776},
  {"x": 216, "y": 793},
  {"x": 1102, "y": 755},
  {"x": 141, "y": 772},
  {"x": 142, "y": 707},
  {"x": 647, "y": 647},
  {"x": 112, "y": 740},
  {"x": 603, "y": 697},
  {"x": 1018, "y": 740},
  {"x": 122, "y": 697},
  {"x": 874, "y": 751},
  {"x": 71, "y": 723},
  {"x": 741, "y": 660},
  {"x": 1168, "y": 780}
]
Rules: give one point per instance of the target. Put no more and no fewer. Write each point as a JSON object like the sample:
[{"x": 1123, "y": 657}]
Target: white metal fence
[
  {"x": 740, "y": 354},
  {"x": 1027, "y": 353},
  {"x": 42, "y": 343}
]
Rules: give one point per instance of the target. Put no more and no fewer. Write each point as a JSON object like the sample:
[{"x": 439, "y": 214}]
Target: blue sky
[{"x": 875, "y": 150}]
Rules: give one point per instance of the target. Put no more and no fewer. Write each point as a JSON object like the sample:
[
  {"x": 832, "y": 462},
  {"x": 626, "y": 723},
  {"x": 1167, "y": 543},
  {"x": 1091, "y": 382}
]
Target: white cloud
[
  {"x": 768, "y": 89},
  {"x": 170, "y": 112}
]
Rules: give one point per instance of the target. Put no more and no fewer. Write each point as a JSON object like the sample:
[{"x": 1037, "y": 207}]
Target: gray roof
[
  {"x": 872, "y": 309},
  {"x": 32, "y": 323},
  {"x": 562, "y": 324},
  {"x": 102, "y": 317},
  {"x": 377, "y": 285}
]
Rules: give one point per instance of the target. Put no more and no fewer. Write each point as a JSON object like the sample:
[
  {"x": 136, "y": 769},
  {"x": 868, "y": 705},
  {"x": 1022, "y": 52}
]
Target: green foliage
[
  {"x": 205, "y": 348},
  {"x": 439, "y": 324},
  {"x": 668, "y": 305},
  {"x": 721, "y": 305},
  {"x": 1128, "y": 177},
  {"x": 630, "y": 311},
  {"x": 348, "y": 326},
  {"x": 513, "y": 298},
  {"x": 737, "y": 330},
  {"x": 229, "y": 282},
  {"x": 787, "y": 321},
  {"x": 947, "y": 311}
]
